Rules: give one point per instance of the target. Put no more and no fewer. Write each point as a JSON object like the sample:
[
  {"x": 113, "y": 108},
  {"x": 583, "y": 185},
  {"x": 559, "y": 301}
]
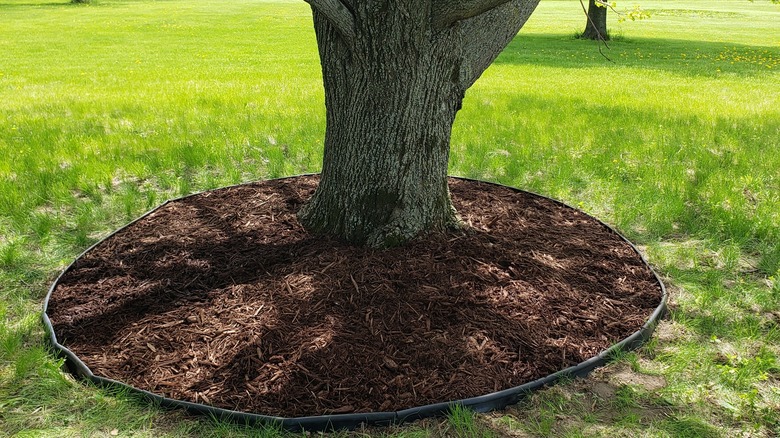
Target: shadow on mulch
[{"x": 222, "y": 298}]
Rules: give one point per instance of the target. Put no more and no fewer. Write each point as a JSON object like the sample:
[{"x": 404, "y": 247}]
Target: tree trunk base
[
  {"x": 596, "y": 26},
  {"x": 319, "y": 218}
]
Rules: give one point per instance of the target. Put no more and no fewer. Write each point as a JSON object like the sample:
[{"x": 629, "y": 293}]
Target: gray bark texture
[
  {"x": 395, "y": 75},
  {"x": 596, "y": 26}
]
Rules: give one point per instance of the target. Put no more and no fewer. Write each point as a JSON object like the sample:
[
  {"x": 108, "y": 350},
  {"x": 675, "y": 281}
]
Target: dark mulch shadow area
[{"x": 221, "y": 298}]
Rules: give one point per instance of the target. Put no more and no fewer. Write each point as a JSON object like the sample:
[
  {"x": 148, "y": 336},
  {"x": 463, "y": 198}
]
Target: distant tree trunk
[
  {"x": 393, "y": 84},
  {"x": 596, "y": 26}
]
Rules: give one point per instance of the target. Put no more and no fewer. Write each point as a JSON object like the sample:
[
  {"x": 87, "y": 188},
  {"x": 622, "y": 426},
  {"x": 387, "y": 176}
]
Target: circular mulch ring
[{"x": 221, "y": 303}]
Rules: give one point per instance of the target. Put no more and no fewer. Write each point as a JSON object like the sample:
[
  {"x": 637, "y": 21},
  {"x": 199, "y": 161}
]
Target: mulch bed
[{"x": 222, "y": 298}]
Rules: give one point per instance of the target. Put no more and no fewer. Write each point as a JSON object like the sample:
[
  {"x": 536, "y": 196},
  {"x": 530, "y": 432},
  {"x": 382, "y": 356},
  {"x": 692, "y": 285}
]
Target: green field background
[{"x": 671, "y": 134}]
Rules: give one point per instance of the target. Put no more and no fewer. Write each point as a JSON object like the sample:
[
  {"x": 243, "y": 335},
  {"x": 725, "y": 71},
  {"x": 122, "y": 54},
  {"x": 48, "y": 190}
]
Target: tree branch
[
  {"x": 338, "y": 15},
  {"x": 446, "y": 12},
  {"x": 484, "y": 36}
]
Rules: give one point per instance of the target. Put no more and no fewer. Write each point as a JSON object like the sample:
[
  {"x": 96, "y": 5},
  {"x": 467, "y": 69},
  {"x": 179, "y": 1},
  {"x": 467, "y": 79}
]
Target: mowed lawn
[{"x": 672, "y": 136}]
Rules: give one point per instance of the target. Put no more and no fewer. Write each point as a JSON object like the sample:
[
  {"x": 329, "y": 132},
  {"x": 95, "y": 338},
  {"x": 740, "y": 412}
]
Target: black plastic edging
[{"x": 485, "y": 403}]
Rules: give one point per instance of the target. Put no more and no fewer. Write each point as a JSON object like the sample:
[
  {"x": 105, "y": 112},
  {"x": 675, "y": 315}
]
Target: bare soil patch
[{"x": 222, "y": 298}]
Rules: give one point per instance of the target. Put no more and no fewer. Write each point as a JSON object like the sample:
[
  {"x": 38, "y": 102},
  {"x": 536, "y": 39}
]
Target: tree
[
  {"x": 395, "y": 74},
  {"x": 596, "y": 24}
]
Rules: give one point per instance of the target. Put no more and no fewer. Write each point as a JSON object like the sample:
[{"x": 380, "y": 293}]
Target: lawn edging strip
[{"x": 485, "y": 403}]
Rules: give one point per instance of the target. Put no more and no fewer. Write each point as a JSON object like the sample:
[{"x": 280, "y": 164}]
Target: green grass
[
  {"x": 108, "y": 109},
  {"x": 464, "y": 424}
]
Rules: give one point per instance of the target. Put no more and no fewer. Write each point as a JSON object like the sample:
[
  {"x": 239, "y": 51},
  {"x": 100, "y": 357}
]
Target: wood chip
[
  {"x": 390, "y": 363},
  {"x": 346, "y": 409}
]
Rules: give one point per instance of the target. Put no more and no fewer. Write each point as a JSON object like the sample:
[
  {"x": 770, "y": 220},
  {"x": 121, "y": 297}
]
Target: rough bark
[
  {"x": 391, "y": 95},
  {"x": 596, "y": 25}
]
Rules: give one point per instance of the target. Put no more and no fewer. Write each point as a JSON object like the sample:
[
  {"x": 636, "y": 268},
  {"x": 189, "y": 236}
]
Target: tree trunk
[
  {"x": 596, "y": 26},
  {"x": 391, "y": 95}
]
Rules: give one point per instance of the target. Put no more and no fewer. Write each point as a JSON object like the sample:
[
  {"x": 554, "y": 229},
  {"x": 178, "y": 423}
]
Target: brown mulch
[{"x": 222, "y": 298}]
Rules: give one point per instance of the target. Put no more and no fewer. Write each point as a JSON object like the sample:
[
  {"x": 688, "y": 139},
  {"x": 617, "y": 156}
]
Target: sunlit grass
[{"x": 109, "y": 109}]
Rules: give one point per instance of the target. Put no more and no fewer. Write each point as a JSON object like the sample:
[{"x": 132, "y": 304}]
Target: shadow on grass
[
  {"x": 684, "y": 57},
  {"x": 39, "y": 5}
]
